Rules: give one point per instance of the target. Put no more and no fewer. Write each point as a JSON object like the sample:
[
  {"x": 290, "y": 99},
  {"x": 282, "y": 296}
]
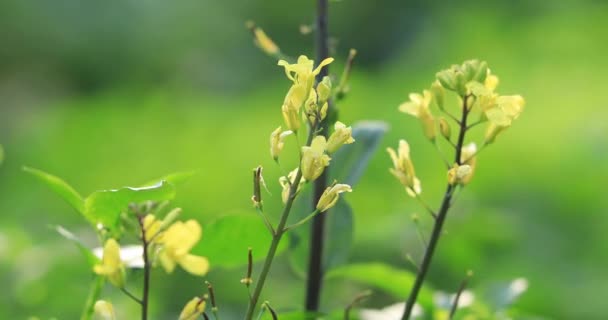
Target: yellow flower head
[
  {"x": 177, "y": 242},
  {"x": 286, "y": 182},
  {"x": 302, "y": 72},
  {"x": 111, "y": 266},
  {"x": 418, "y": 106},
  {"x": 314, "y": 159},
  {"x": 403, "y": 168},
  {"x": 277, "y": 142},
  {"x": 193, "y": 309},
  {"x": 460, "y": 174},
  {"x": 342, "y": 135},
  {"x": 330, "y": 196},
  {"x": 506, "y": 109},
  {"x": 104, "y": 310}
]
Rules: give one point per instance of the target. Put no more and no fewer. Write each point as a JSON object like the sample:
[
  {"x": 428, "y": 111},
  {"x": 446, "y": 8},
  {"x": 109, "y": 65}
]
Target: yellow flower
[
  {"x": 491, "y": 81},
  {"x": 491, "y": 132},
  {"x": 264, "y": 42},
  {"x": 291, "y": 106},
  {"x": 286, "y": 182},
  {"x": 418, "y": 106},
  {"x": 302, "y": 72},
  {"x": 403, "y": 168},
  {"x": 193, "y": 309},
  {"x": 314, "y": 159},
  {"x": 467, "y": 157},
  {"x": 177, "y": 242},
  {"x": 111, "y": 266},
  {"x": 506, "y": 109},
  {"x": 152, "y": 227},
  {"x": 460, "y": 174},
  {"x": 277, "y": 142},
  {"x": 324, "y": 89},
  {"x": 330, "y": 196},
  {"x": 104, "y": 310},
  {"x": 342, "y": 135}
]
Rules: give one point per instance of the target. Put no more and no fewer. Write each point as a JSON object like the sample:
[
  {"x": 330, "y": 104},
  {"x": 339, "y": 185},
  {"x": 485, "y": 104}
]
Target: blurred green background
[{"x": 113, "y": 93}]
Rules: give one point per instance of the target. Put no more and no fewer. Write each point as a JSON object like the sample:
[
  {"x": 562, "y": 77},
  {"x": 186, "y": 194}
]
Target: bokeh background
[{"x": 113, "y": 93}]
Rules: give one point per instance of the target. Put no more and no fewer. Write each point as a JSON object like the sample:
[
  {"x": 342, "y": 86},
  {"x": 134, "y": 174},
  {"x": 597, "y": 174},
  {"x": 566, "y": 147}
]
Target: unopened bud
[
  {"x": 438, "y": 93},
  {"x": 444, "y": 127},
  {"x": 324, "y": 89},
  {"x": 104, "y": 310},
  {"x": 459, "y": 174},
  {"x": 193, "y": 309},
  {"x": 330, "y": 196}
]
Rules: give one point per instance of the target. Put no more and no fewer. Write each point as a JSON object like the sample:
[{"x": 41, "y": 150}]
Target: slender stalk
[
  {"x": 276, "y": 239},
  {"x": 463, "y": 285},
  {"x": 439, "y": 221},
  {"x": 94, "y": 293},
  {"x": 317, "y": 234},
  {"x": 146, "y": 289}
]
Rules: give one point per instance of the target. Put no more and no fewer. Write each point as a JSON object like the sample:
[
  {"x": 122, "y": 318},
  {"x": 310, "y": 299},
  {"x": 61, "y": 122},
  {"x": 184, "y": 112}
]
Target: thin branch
[
  {"x": 147, "y": 269},
  {"x": 463, "y": 285},
  {"x": 356, "y": 300},
  {"x": 303, "y": 221},
  {"x": 438, "y": 226}
]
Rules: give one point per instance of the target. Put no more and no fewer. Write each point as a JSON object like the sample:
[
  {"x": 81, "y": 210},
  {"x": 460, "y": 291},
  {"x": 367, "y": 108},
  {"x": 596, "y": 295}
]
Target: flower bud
[
  {"x": 111, "y": 266},
  {"x": 330, "y": 196},
  {"x": 151, "y": 226},
  {"x": 314, "y": 159},
  {"x": 262, "y": 40},
  {"x": 492, "y": 131},
  {"x": 438, "y": 94},
  {"x": 104, "y": 310},
  {"x": 277, "y": 142},
  {"x": 459, "y": 174},
  {"x": 193, "y": 309},
  {"x": 324, "y": 89},
  {"x": 342, "y": 135},
  {"x": 444, "y": 127}
]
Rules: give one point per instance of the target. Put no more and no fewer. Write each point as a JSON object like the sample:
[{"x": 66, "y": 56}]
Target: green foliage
[
  {"x": 226, "y": 240},
  {"x": 60, "y": 187},
  {"x": 393, "y": 281}
]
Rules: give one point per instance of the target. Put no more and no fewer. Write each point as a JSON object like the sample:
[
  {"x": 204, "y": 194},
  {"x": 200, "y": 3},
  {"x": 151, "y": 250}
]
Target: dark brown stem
[
  {"x": 438, "y": 226},
  {"x": 317, "y": 233},
  {"x": 463, "y": 285}
]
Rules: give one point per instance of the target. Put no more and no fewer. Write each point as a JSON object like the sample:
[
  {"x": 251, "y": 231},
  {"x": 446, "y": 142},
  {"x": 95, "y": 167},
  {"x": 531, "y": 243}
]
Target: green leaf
[
  {"x": 350, "y": 162},
  {"x": 105, "y": 206},
  {"x": 60, "y": 187},
  {"x": 92, "y": 260},
  {"x": 176, "y": 178},
  {"x": 339, "y": 237},
  {"x": 393, "y": 281},
  {"x": 226, "y": 240}
]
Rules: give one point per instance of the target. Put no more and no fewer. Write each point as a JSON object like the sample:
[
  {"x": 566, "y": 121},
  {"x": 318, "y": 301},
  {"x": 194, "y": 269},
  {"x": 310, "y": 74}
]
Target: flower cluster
[{"x": 475, "y": 86}]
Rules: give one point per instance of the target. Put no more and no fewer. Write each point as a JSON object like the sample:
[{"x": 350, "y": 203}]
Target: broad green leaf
[
  {"x": 350, "y": 162},
  {"x": 92, "y": 260},
  {"x": 339, "y": 237},
  {"x": 105, "y": 206},
  {"x": 226, "y": 240},
  {"x": 175, "y": 178},
  {"x": 60, "y": 187},
  {"x": 393, "y": 281}
]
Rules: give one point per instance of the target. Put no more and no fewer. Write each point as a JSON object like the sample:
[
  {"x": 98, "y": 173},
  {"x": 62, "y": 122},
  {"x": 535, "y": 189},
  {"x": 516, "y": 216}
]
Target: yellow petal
[{"x": 194, "y": 264}]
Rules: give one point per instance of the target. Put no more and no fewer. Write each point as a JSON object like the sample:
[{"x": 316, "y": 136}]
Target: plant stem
[
  {"x": 146, "y": 289},
  {"x": 94, "y": 293},
  {"x": 317, "y": 234},
  {"x": 438, "y": 226},
  {"x": 276, "y": 239}
]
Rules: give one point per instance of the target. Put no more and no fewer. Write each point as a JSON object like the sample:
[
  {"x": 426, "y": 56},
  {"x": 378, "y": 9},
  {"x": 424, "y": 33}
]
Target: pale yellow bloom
[
  {"x": 342, "y": 135},
  {"x": 324, "y": 89},
  {"x": 506, "y": 109},
  {"x": 314, "y": 159},
  {"x": 330, "y": 196},
  {"x": 491, "y": 81},
  {"x": 302, "y": 71},
  {"x": 104, "y": 310},
  {"x": 491, "y": 132},
  {"x": 176, "y": 242},
  {"x": 418, "y": 106},
  {"x": 193, "y": 309},
  {"x": 111, "y": 266},
  {"x": 403, "y": 168},
  {"x": 277, "y": 142},
  {"x": 459, "y": 174},
  {"x": 286, "y": 182}
]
